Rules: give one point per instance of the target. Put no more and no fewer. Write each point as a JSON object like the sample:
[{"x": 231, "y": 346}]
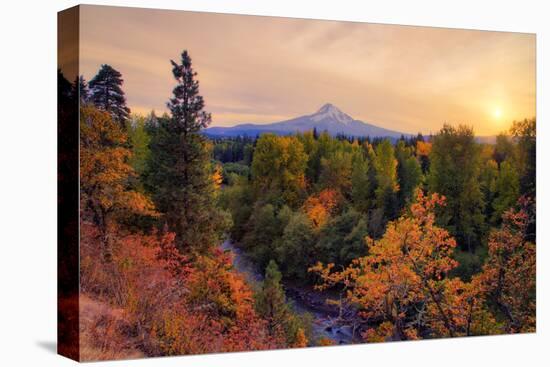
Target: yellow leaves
[
  {"x": 279, "y": 164},
  {"x": 217, "y": 177}
]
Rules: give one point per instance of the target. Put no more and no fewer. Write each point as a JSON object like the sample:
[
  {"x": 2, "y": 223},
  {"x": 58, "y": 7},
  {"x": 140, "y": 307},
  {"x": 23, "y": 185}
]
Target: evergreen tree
[
  {"x": 180, "y": 174},
  {"x": 454, "y": 172},
  {"x": 271, "y": 305},
  {"x": 106, "y": 93}
]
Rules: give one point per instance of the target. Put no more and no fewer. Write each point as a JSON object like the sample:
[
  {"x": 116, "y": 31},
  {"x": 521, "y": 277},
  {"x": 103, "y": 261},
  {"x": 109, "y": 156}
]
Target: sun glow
[{"x": 497, "y": 113}]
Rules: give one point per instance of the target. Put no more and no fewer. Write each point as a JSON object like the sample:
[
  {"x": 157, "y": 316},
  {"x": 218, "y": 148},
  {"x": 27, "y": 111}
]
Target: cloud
[{"x": 263, "y": 69}]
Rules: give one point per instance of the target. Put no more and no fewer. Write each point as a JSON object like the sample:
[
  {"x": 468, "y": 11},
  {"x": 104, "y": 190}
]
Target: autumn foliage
[
  {"x": 420, "y": 238},
  {"x": 169, "y": 305},
  {"x": 403, "y": 290},
  {"x": 320, "y": 207}
]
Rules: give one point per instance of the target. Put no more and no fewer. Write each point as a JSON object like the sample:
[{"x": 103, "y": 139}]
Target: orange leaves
[
  {"x": 105, "y": 171},
  {"x": 320, "y": 207},
  {"x": 380, "y": 334},
  {"x": 301, "y": 340},
  {"x": 403, "y": 289},
  {"x": 325, "y": 342},
  {"x": 423, "y": 149},
  {"x": 406, "y": 268}
]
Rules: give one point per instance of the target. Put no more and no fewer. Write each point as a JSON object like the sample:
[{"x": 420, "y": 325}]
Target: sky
[{"x": 255, "y": 69}]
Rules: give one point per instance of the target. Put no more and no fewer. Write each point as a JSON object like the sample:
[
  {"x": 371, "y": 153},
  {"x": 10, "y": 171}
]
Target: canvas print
[{"x": 238, "y": 183}]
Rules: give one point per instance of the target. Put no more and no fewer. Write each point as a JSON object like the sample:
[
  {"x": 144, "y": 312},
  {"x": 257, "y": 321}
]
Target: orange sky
[{"x": 266, "y": 69}]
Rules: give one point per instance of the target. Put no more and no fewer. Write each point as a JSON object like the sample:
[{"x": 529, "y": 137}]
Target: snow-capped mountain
[{"x": 328, "y": 118}]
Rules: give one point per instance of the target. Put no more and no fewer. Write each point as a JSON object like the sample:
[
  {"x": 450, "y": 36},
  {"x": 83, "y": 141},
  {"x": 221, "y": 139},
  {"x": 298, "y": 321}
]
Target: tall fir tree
[
  {"x": 272, "y": 306},
  {"x": 106, "y": 93},
  {"x": 179, "y": 173}
]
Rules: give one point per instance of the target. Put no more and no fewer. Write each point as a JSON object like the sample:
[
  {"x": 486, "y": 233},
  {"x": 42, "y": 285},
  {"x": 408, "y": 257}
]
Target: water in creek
[{"x": 323, "y": 320}]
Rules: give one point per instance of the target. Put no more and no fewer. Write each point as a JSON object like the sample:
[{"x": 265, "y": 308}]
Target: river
[{"x": 303, "y": 300}]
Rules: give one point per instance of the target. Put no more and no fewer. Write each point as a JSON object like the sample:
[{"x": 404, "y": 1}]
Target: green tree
[
  {"x": 139, "y": 143},
  {"x": 525, "y": 133},
  {"x": 238, "y": 200},
  {"x": 454, "y": 172},
  {"x": 272, "y": 306},
  {"x": 278, "y": 168},
  {"x": 409, "y": 173},
  {"x": 385, "y": 165},
  {"x": 263, "y": 229},
  {"x": 180, "y": 174},
  {"x": 343, "y": 239},
  {"x": 506, "y": 190},
  {"x": 336, "y": 172},
  {"x": 504, "y": 149},
  {"x": 296, "y": 250},
  {"x": 361, "y": 185},
  {"x": 106, "y": 93},
  {"x": 487, "y": 179}
]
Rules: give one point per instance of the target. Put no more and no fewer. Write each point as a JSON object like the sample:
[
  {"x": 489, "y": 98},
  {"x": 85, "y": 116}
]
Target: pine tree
[
  {"x": 179, "y": 174},
  {"x": 106, "y": 93},
  {"x": 271, "y": 305},
  {"x": 271, "y": 300}
]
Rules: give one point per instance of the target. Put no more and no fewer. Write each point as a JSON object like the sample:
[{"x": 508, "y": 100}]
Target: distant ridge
[{"x": 328, "y": 118}]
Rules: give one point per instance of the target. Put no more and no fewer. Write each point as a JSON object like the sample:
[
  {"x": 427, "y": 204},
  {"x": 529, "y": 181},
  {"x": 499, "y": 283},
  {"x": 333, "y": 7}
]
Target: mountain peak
[
  {"x": 327, "y": 107},
  {"x": 330, "y": 111}
]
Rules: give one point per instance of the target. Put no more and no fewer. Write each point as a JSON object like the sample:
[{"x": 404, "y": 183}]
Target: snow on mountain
[
  {"x": 328, "y": 118},
  {"x": 331, "y": 112}
]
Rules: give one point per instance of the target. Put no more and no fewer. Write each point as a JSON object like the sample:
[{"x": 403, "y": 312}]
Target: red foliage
[{"x": 173, "y": 305}]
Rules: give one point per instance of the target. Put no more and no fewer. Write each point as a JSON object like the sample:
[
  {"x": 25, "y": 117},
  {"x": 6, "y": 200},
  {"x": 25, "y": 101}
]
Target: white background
[{"x": 28, "y": 183}]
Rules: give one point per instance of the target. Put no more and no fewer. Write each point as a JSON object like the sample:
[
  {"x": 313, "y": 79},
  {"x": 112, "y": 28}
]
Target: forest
[{"x": 423, "y": 237}]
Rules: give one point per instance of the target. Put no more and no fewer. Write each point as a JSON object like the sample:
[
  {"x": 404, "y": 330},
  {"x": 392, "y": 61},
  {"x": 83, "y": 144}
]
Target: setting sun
[{"x": 497, "y": 113}]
